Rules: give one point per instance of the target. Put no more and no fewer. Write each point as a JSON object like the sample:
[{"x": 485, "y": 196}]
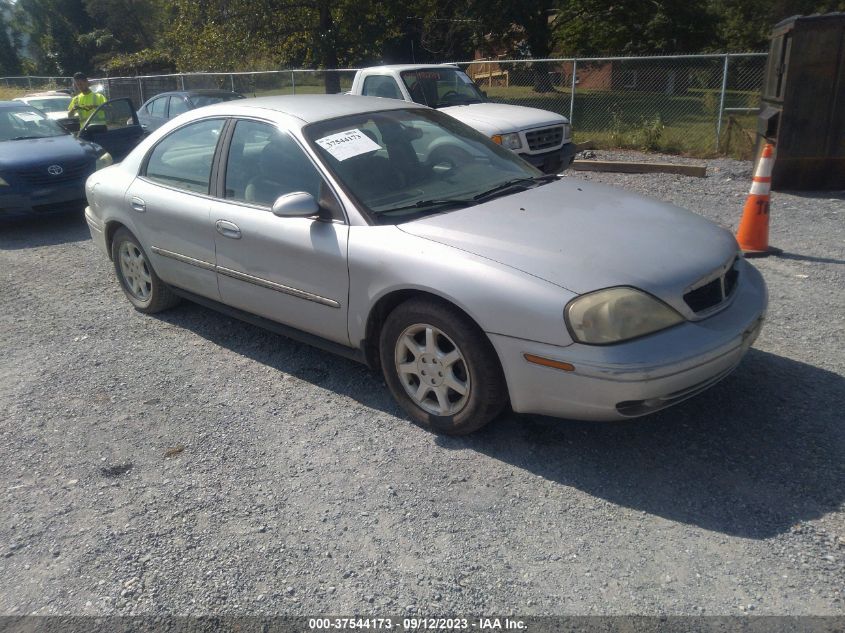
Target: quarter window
[
  {"x": 265, "y": 163},
  {"x": 381, "y": 86},
  {"x": 183, "y": 158},
  {"x": 157, "y": 107}
]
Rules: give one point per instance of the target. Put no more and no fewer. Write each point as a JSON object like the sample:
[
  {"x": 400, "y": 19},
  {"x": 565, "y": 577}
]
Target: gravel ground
[{"x": 192, "y": 464}]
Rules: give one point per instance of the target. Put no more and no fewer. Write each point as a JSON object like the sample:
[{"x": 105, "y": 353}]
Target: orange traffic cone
[{"x": 753, "y": 233}]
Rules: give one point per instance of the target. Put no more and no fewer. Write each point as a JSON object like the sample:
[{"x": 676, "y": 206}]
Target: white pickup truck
[{"x": 541, "y": 137}]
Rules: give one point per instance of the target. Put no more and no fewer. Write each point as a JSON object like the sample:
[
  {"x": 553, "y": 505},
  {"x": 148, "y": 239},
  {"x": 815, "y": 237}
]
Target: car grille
[
  {"x": 39, "y": 176},
  {"x": 714, "y": 292},
  {"x": 545, "y": 138}
]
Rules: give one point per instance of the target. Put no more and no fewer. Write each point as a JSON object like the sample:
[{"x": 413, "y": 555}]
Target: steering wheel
[{"x": 450, "y": 93}]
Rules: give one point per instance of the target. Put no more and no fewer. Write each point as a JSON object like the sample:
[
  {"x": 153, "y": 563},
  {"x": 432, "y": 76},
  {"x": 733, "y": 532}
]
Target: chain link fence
[
  {"x": 24, "y": 85},
  {"x": 696, "y": 104},
  {"x": 250, "y": 84}
]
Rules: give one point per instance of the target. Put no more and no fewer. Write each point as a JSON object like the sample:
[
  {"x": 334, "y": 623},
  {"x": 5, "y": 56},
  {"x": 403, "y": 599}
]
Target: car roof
[
  {"x": 188, "y": 93},
  {"x": 401, "y": 67},
  {"x": 313, "y": 108},
  {"x": 15, "y": 104},
  {"x": 38, "y": 95}
]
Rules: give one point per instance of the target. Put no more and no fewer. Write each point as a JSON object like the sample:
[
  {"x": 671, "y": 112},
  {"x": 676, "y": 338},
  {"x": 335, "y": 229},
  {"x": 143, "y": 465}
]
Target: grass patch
[{"x": 7, "y": 94}]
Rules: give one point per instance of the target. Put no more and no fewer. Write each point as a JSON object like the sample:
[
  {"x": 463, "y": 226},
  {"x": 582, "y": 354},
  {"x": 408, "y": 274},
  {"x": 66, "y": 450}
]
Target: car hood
[
  {"x": 585, "y": 237},
  {"x": 41, "y": 151},
  {"x": 501, "y": 118}
]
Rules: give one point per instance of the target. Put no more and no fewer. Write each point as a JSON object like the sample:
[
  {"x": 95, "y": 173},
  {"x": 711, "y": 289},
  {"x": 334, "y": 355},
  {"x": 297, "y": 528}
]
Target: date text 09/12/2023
[{"x": 417, "y": 623}]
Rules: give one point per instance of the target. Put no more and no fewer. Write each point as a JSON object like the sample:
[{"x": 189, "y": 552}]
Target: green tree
[
  {"x": 746, "y": 25},
  {"x": 634, "y": 27},
  {"x": 244, "y": 34},
  {"x": 10, "y": 63},
  {"x": 54, "y": 28}
]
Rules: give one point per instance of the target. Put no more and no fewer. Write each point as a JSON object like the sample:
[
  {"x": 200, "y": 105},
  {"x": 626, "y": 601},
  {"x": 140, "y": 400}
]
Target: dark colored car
[
  {"x": 163, "y": 107},
  {"x": 43, "y": 167}
]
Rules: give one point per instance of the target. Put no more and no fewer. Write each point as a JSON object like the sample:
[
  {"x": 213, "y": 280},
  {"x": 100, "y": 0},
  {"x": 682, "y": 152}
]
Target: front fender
[{"x": 500, "y": 299}]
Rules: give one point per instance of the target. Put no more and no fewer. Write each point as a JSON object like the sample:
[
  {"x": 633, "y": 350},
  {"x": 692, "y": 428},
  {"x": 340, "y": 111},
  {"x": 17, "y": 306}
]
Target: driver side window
[{"x": 381, "y": 86}]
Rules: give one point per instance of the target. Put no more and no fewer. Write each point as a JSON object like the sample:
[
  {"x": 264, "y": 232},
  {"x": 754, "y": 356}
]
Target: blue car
[{"x": 43, "y": 166}]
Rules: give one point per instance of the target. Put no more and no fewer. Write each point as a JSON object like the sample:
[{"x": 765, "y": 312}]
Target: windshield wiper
[
  {"x": 516, "y": 182},
  {"x": 433, "y": 202},
  {"x": 26, "y": 138}
]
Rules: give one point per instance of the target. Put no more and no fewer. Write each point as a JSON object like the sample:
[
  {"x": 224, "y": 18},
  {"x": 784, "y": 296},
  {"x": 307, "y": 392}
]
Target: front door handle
[
  {"x": 138, "y": 205},
  {"x": 228, "y": 229}
]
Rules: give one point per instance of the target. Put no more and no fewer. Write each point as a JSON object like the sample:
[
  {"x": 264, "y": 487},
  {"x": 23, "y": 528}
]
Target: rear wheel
[
  {"x": 139, "y": 282},
  {"x": 441, "y": 368}
]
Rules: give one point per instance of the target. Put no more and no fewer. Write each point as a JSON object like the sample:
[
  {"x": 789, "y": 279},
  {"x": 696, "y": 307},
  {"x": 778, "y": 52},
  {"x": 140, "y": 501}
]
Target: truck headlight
[
  {"x": 104, "y": 160},
  {"x": 567, "y": 132},
  {"x": 3, "y": 182},
  {"x": 617, "y": 314},
  {"x": 510, "y": 141}
]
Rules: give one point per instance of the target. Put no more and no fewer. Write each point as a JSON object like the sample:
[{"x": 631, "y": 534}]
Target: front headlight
[
  {"x": 104, "y": 160},
  {"x": 3, "y": 182},
  {"x": 617, "y": 314},
  {"x": 511, "y": 141},
  {"x": 567, "y": 132}
]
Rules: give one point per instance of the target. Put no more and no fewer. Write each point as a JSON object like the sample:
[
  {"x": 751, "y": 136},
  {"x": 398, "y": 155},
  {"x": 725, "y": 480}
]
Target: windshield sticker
[
  {"x": 428, "y": 74},
  {"x": 347, "y": 144}
]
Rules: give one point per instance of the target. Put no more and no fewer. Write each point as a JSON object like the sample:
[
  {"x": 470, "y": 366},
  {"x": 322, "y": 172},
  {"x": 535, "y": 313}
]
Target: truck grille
[
  {"x": 39, "y": 176},
  {"x": 714, "y": 292},
  {"x": 546, "y": 138}
]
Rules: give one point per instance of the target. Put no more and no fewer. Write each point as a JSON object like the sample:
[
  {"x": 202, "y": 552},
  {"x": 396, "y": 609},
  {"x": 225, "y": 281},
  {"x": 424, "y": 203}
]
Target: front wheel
[
  {"x": 441, "y": 367},
  {"x": 139, "y": 281}
]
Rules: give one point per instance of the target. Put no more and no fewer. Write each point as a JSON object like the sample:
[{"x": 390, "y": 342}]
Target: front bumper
[
  {"x": 98, "y": 232},
  {"x": 631, "y": 379},
  {"x": 554, "y": 161},
  {"x": 60, "y": 198}
]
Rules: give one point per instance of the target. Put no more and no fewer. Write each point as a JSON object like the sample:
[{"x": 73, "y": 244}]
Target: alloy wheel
[{"x": 432, "y": 370}]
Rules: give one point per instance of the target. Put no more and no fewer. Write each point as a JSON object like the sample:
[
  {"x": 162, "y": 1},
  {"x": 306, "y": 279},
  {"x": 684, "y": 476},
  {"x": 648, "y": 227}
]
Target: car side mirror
[
  {"x": 296, "y": 205},
  {"x": 484, "y": 93}
]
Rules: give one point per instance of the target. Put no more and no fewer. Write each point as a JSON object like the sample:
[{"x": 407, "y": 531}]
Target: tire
[
  {"x": 429, "y": 340},
  {"x": 145, "y": 291}
]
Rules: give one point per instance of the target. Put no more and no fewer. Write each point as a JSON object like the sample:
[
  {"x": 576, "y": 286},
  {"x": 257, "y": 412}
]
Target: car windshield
[
  {"x": 439, "y": 87},
  {"x": 401, "y": 164},
  {"x": 204, "y": 100},
  {"x": 50, "y": 104},
  {"x": 17, "y": 124}
]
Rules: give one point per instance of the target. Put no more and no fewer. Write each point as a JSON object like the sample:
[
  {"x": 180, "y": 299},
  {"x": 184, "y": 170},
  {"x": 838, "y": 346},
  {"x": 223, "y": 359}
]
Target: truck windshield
[
  {"x": 441, "y": 87},
  {"x": 399, "y": 165}
]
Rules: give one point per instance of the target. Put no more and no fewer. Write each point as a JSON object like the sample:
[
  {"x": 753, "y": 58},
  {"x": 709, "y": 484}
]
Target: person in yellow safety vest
[{"x": 84, "y": 104}]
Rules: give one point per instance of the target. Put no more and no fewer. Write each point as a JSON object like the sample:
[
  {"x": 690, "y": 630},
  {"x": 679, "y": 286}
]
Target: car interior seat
[{"x": 282, "y": 169}]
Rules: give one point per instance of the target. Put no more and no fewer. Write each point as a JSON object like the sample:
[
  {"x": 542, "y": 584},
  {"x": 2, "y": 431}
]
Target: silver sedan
[{"x": 397, "y": 236}]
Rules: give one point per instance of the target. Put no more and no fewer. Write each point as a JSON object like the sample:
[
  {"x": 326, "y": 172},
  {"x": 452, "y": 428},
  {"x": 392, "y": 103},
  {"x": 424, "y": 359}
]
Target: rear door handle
[
  {"x": 228, "y": 229},
  {"x": 138, "y": 205}
]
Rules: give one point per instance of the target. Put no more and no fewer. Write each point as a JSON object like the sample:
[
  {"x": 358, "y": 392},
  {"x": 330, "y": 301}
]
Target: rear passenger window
[
  {"x": 177, "y": 106},
  {"x": 157, "y": 107},
  {"x": 183, "y": 158},
  {"x": 265, "y": 163}
]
